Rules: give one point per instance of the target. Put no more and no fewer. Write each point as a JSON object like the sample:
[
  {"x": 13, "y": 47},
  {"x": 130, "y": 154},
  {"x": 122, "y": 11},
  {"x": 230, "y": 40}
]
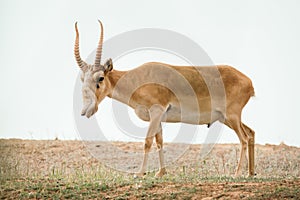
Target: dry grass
[{"x": 67, "y": 169}]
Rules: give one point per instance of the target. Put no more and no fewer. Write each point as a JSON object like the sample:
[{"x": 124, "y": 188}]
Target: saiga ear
[{"x": 108, "y": 65}]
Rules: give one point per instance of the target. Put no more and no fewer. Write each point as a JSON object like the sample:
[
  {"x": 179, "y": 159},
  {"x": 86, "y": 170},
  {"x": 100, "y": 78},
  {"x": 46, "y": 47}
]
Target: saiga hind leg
[
  {"x": 159, "y": 144},
  {"x": 251, "y": 143}
]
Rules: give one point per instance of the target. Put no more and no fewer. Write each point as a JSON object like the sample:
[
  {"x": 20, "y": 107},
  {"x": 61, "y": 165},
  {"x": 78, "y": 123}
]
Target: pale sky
[{"x": 38, "y": 69}]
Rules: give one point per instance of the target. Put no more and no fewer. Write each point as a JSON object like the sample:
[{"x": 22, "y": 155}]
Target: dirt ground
[{"x": 194, "y": 171}]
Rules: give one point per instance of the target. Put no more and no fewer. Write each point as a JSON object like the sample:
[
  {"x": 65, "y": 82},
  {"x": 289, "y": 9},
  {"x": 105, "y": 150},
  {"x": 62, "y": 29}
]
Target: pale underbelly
[
  {"x": 191, "y": 116},
  {"x": 186, "y": 115}
]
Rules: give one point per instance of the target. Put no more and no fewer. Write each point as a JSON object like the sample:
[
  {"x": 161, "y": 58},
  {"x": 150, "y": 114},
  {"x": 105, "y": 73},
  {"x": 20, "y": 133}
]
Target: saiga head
[{"x": 95, "y": 84}]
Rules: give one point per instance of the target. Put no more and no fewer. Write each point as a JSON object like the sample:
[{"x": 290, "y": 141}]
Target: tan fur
[{"x": 160, "y": 92}]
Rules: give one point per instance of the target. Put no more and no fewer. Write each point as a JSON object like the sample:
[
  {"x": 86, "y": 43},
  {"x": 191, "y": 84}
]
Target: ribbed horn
[
  {"x": 79, "y": 61},
  {"x": 99, "y": 48}
]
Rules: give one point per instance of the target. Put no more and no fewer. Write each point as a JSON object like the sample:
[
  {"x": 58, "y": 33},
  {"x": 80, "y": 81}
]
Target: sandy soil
[
  {"x": 271, "y": 161},
  {"x": 220, "y": 159}
]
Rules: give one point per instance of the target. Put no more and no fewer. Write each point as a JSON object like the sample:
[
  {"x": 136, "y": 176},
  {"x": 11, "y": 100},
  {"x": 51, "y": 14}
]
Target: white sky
[{"x": 38, "y": 69}]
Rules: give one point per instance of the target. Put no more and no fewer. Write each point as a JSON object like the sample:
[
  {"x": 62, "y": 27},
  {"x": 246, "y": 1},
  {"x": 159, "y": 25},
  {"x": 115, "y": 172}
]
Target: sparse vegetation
[{"x": 65, "y": 169}]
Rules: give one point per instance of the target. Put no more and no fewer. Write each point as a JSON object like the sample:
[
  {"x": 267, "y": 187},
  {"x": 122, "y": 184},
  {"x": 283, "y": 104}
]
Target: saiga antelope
[{"x": 160, "y": 92}]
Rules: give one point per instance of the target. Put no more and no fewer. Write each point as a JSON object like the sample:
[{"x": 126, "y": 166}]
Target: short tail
[{"x": 252, "y": 92}]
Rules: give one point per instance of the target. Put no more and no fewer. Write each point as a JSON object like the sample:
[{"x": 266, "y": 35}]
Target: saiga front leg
[{"x": 156, "y": 114}]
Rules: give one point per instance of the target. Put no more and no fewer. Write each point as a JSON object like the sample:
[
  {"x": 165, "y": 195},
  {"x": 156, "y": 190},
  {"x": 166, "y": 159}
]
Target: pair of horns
[{"x": 79, "y": 61}]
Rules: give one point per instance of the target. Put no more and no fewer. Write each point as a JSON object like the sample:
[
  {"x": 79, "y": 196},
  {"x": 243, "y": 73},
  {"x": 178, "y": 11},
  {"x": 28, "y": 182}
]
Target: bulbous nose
[
  {"x": 89, "y": 110},
  {"x": 84, "y": 109},
  {"x": 89, "y": 101}
]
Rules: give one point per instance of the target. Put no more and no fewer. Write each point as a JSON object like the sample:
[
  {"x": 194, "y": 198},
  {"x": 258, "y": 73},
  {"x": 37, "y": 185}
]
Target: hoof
[
  {"x": 160, "y": 173},
  {"x": 139, "y": 175},
  {"x": 251, "y": 175},
  {"x": 237, "y": 175}
]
